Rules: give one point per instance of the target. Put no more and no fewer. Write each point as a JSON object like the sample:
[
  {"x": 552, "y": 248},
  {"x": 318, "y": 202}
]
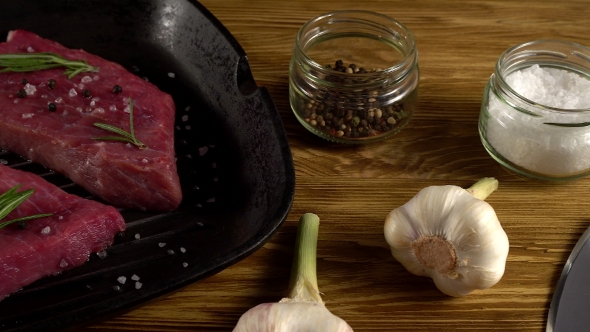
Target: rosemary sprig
[
  {"x": 128, "y": 137},
  {"x": 25, "y": 62},
  {"x": 10, "y": 200}
]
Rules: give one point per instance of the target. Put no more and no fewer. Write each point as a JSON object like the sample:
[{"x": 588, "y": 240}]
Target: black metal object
[{"x": 234, "y": 160}]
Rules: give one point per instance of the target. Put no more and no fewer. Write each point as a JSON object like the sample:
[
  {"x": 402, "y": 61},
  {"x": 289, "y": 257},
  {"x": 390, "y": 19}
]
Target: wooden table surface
[{"x": 353, "y": 188}]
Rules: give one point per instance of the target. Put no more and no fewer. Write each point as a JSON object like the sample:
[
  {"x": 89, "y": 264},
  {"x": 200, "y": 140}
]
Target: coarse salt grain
[
  {"x": 138, "y": 285},
  {"x": 188, "y": 108},
  {"x": 113, "y": 108},
  {"x": 86, "y": 79},
  {"x": 182, "y": 250},
  {"x": 72, "y": 92},
  {"x": 185, "y": 118},
  {"x": 30, "y": 49},
  {"x": 3, "y": 161},
  {"x": 134, "y": 277},
  {"x": 60, "y": 217},
  {"x": 203, "y": 150},
  {"x": 137, "y": 236},
  {"x": 161, "y": 244},
  {"x": 187, "y": 127},
  {"x": 102, "y": 254},
  {"x": 526, "y": 140},
  {"x": 63, "y": 263},
  {"x": 122, "y": 280},
  {"x": 30, "y": 89},
  {"x": 185, "y": 264},
  {"x": 59, "y": 99},
  {"x": 170, "y": 252},
  {"x": 46, "y": 230},
  {"x": 171, "y": 75},
  {"x": 28, "y": 115}
]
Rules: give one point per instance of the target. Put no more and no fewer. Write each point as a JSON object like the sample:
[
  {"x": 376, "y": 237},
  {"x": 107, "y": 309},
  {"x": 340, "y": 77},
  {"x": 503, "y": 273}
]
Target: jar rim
[
  {"x": 410, "y": 56},
  {"x": 579, "y": 51}
]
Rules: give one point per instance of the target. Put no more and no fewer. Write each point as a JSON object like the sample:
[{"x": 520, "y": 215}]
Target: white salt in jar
[{"x": 535, "y": 113}]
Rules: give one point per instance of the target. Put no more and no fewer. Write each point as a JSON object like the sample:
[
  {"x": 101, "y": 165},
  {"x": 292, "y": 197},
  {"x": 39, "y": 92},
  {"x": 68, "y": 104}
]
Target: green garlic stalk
[{"x": 304, "y": 309}]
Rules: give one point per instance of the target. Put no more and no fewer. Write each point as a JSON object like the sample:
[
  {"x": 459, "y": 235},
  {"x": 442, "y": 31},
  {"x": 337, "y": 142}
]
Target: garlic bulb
[
  {"x": 450, "y": 235},
  {"x": 303, "y": 310}
]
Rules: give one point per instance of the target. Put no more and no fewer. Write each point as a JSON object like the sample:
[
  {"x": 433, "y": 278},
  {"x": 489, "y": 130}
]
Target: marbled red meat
[
  {"x": 50, "y": 245},
  {"x": 118, "y": 173}
]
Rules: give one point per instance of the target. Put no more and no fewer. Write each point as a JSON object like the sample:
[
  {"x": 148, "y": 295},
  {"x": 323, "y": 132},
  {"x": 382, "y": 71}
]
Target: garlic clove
[{"x": 291, "y": 316}]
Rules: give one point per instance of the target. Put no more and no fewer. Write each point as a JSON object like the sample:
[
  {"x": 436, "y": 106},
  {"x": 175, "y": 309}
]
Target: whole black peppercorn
[
  {"x": 24, "y": 81},
  {"x": 86, "y": 93},
  {"x": 51, "y": 107},
  {"x": 117, "y": 89},
  {"x": 52, "y": 84},
  {"x": 21, "y": 93},
  {"x": 21, "y": 224}
]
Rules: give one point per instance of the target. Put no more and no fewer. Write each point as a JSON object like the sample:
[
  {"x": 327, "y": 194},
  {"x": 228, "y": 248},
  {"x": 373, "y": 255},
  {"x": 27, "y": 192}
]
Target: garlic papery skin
[
  {"x": 291, "y": 316},
  {"x": 303, "y": 310},
  {"x": 449, "y": 234}
]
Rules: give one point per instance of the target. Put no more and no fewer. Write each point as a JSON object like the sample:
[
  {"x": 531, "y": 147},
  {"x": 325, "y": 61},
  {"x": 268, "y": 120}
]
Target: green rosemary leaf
[
  {"x": 10, "y": 200},
  {"x": 35, "y": 216},
  {"x": 113, "y": 129},
  {"x": 114, "y": 138},
  {"x": 581, "y": 124},
  {"x": 25, "y": 62},
  {"x": 128, "y": 137},
  {"x": 14, "y": 200}
]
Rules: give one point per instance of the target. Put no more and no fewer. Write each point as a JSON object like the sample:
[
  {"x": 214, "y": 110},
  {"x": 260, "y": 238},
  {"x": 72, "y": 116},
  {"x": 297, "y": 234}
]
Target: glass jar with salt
[{"x": 535, "y": 112}]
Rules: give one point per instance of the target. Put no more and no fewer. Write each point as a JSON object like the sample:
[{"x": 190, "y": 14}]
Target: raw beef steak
[
  {"x": 59, "y": 136},
  {"x": 52, "y": 244}
]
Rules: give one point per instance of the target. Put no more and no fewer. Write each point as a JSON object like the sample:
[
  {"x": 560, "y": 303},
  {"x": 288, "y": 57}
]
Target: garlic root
[
  {"x": 450, "y": 235},
  {"x": 304, "y": 309}
]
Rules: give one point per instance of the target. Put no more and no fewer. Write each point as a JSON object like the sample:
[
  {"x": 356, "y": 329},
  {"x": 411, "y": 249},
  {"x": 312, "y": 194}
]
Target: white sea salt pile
[{"x": 526, "y": 140}]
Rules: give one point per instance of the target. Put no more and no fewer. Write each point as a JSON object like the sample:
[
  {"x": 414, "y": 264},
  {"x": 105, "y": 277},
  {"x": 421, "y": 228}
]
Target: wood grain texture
[{"x": 352, "y": 188}]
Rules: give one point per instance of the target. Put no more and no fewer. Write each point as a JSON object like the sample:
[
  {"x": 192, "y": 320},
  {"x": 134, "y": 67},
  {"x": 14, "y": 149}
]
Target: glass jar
[
  {"x": 542, "y": 140},
  {"x": 353, "y": 77}
]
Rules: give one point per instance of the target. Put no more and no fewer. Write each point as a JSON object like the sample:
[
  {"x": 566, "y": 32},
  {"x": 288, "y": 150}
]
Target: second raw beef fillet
[
  {"x": 49, "y": 118},
  {"x": 47, "y": 246}
]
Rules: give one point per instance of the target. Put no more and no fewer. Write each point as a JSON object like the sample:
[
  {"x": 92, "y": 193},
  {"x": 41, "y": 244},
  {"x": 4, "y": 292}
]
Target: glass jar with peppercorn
[{"x": 354, "y": 76}]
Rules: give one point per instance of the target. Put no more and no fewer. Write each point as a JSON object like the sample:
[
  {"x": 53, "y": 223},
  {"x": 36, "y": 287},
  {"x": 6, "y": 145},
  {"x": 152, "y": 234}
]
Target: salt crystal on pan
[
  {"x": 101, "y": 254},
  {"x": 137, "y": 237},
  {"x": 170, "y": 252},
  {"x": 188, "y": 108},
  {"x": 182, "y": 250},
  {"x": 185, "y": 118},
  {"x": 528, "y": 141},
  {"x": 138, "y": 285},
  {"x": 134, "y": 277},
  {"x": 161, "y": 244},
  {"x": 171, "y": 75},
  {"x": 122, "y": 280},
  {"x": 203, "y": 150},
  {"x": 185, "y": 264}
]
